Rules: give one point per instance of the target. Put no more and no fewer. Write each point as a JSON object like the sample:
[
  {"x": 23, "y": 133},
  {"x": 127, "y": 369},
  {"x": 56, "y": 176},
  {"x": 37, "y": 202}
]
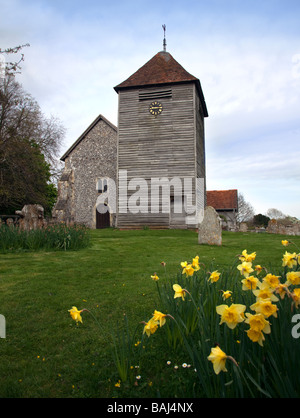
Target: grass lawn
[{"x": 46, "y": 354}]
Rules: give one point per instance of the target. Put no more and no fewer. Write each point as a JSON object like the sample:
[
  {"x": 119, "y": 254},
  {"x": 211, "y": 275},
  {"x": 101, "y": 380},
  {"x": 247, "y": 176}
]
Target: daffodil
[
  {"x": 155, "y": 277},
  {"x": 282, "y": 290},
  {"x": 214, "y": 276},
  {"x": 296, "y": 297},
  {"x": 289, "y": 259},
  {"x": 188, "y": 270},
  {"x": 218, "y": 359},
  {"x": 232, "y": 314},
  {"x": 159, "y": 317},
  {"x": 258, "y": 322},
  {"x": 265, "y": 292},
  {"x": 150, "y": 327},
  {"x": 245, "y": 268},
  {"x": 258, "y": 268},
  {"x": 272, "y": 280},
  {"x": 250, "y": 283},
  {"x": 265, "y": 307},
  {"x": 226, "y": 294},
  {"x": 285, "y": 243},
  {"x": 293, "y": 277},
  {"x": 247, "y": 257},
  {"x": 75, "y": 314},
  {"x": 195, "y": 263},
  {"x": 179, "y": 292},
  {"x": 256, "y": 336}
]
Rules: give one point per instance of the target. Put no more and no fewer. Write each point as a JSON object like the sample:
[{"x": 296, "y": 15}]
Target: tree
[
  {"x": 275, "y": 214},
  {"x": 245, "y": 209},
  {"x": 29, "y": 144},
  {"x": 261, "y": 220},
  {"x": 11, "y": 67}
]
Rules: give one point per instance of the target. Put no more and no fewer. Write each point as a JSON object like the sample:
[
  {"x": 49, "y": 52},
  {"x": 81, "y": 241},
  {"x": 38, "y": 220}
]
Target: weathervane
[{"x": 165, "y": 42}]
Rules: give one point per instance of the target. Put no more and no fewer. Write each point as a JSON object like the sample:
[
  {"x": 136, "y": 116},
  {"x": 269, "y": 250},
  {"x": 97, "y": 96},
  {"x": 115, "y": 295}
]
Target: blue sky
[{"x": 245, "y": 53}]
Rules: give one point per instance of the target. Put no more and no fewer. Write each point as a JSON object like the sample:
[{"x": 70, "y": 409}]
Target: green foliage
[
  {"x": 29, "y": 144},
  {"x": 261, "y": 220}
]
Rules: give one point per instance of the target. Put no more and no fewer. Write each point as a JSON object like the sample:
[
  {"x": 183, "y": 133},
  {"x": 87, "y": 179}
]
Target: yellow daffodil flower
[
  {"x": 250, "y": 283},
  {"x": 150, "y": 327},
  {"x": 179, "y": 292},
  {"x": 245, "y": 268},
  {"x": 232, "y": 314},
  {"x": 296, "y": 297},
  {"x": 265, "y": 307},
  {"x": 183, "y": 264},
  {"x": 293, "y": 277},
  {"x": 195, "y": 263},
  {"x": 265, "y": 292},
  {"x": 155, "y": 277},
  {"x": 256, "y": 336},
  {"x": 247, "y": 257},
  {"x": 218, "y": 359},
  {"x": 289, "y": 259},
  {"x": 285, "y": 243},
  {"x": 272, "y": 280},
  {"x": 159, "y": 317},
  {"x": 188, "y": 270},
  {"x": 75, "y": 314},
  {"x": 258, "y": 322},
  {"x": 258, "y": 268},
  {"x": 214, "y": 276},
  {"x": 226, "y": 294},
  {"x": 282, "y": 290}
]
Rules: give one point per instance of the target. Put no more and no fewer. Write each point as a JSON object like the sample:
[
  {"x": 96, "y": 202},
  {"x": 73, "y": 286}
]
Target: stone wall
[
  {"x": 94, "y": 157},
  {"x": 275, "y": 227}
]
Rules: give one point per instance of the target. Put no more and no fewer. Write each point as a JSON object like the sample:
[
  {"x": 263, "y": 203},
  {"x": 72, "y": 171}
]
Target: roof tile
[{"x": 222, "y": 199}]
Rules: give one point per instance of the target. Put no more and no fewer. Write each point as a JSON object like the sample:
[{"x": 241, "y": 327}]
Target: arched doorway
[{"x": 102, "y": 217}]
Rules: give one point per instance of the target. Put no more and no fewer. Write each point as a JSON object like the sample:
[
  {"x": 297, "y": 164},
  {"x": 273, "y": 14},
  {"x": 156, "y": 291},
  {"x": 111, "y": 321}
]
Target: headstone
[
  {"x": 210, "y": 229},
  {"x": 9, "y": 222},
  {"x": 243, "y": 227},
  {"x": 32, "y": 217}
]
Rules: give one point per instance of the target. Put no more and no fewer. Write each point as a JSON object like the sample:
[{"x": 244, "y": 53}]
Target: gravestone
[
  {"x": 243, "y": 227},
  {"x": 210, "y": 229},
  {"x": 31, "y": 217},
  {"x": 10, "y": 222}
]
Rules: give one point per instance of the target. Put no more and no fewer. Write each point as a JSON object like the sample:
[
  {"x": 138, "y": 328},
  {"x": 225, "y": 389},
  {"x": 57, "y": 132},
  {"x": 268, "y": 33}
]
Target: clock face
[{"x": 155, "y": 108}]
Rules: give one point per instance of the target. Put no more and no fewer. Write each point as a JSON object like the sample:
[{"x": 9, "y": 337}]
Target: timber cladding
[{"x": 169, "y": 144}]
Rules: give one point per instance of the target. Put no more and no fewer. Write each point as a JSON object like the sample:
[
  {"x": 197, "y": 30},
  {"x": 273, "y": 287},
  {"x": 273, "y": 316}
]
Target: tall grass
[{"x": 52, "y": 237}]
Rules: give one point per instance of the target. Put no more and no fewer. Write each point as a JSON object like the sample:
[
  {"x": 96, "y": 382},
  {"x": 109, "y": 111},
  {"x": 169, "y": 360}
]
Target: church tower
[{"x": 160, "y": 136}]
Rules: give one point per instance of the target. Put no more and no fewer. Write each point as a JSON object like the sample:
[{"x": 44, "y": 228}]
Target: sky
[{"x": 246, "y": 55}]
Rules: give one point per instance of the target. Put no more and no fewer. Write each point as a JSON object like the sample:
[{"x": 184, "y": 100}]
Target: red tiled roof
[
  {"x": 161, "y": 69},
  {"x": 222, "y": 199}
]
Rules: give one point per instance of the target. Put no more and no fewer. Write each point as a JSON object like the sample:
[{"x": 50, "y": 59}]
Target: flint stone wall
[
  {"x": 93, "y": 158},
  {"x": 275, "y": 227}
]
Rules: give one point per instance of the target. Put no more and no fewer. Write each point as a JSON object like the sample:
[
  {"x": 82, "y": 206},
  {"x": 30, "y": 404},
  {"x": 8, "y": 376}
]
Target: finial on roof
[{"x": 165, "y": 42}]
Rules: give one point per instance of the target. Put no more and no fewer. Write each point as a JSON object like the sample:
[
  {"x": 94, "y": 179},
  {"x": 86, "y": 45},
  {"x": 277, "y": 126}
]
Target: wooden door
[{"x": 102, "y": 219}]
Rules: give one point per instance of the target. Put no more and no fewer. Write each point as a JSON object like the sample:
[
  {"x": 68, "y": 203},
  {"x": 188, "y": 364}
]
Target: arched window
[{"x": 102, "y": 185}]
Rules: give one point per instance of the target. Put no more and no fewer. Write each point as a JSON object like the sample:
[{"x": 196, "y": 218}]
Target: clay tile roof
[
  {"x": 222, "y": 199},
  {"x": 161, "y": 69}
]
